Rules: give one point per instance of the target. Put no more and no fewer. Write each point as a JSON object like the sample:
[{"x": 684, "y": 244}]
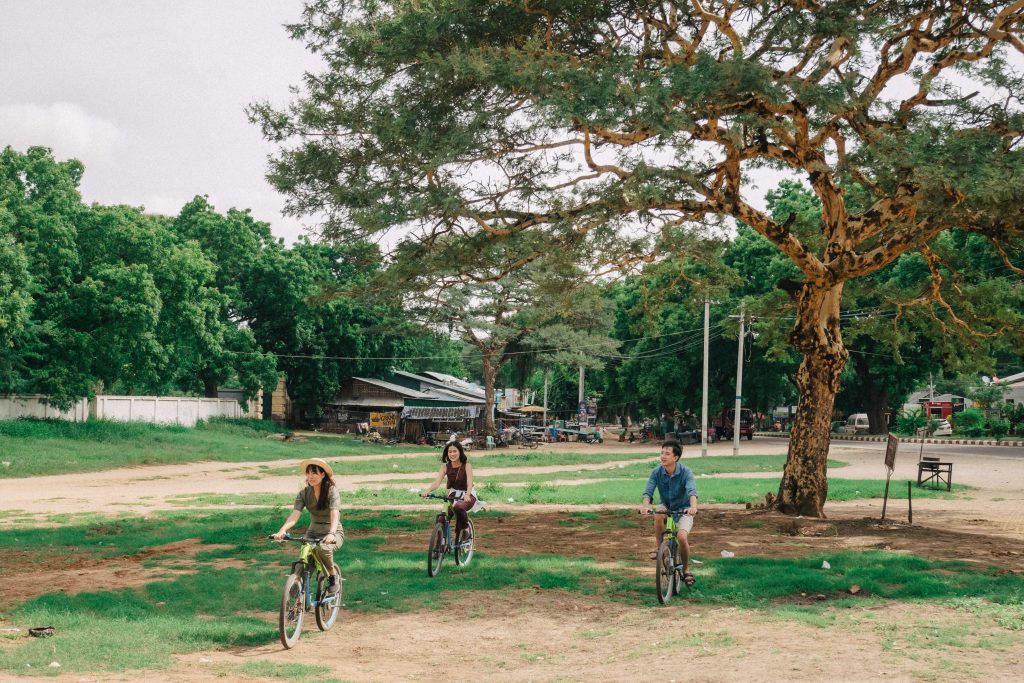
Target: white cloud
[{"x": 66, "y": 127}]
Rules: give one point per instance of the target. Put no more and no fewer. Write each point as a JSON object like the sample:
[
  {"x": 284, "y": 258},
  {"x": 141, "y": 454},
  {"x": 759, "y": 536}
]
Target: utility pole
[
  {"x": 580, "y": 410},
  {"x": 547, "y": 376},
  {"x": 739, "y": 392},
  {"x": 704, "y": 400}
]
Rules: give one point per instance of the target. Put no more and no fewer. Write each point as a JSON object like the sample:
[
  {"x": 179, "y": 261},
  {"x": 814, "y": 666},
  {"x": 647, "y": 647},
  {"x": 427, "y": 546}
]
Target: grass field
[
  {"x": 33, "y": 447},
  {"x": 612, "y": 491},
  {"x": 128, "y": 628}
]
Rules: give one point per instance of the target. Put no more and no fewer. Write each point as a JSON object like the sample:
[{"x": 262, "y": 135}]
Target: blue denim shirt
[{"x": 675, "y": 491}]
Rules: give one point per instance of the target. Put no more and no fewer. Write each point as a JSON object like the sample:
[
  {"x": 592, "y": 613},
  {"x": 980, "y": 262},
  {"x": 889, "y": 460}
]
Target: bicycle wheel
[
  {"x": 665, "y": 573},
  {"x": 464, "y": 550},
  {"x": 292, "y": 610},
  {"x": 435, "y": 551},
  {"x": 327, "y": 605}
]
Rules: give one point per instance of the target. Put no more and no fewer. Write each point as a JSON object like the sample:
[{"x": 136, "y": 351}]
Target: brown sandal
[{"x": 689, "y": 579}]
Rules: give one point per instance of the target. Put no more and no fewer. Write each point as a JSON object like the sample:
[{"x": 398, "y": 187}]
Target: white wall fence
[
  {"x": 34, "y": 405},
  {"x": 157, "y": 409}
]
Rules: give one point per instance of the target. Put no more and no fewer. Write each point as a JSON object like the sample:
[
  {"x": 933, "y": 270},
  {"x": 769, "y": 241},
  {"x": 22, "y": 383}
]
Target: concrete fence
[
  {"x": 157, "y": 409},
  {"x": 34, "y": 405}
]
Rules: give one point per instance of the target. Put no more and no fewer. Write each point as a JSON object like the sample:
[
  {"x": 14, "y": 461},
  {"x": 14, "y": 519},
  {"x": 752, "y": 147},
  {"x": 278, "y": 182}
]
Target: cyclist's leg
[
  {"x": 325, "y": 553},
  {"x": 683, "y": 535},
  {"x": 461, "y": 509},
  {"x": 659, "y": 528}
]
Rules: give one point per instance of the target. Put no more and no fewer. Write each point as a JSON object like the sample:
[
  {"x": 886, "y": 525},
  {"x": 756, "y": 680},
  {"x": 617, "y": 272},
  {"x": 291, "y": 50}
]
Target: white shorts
[{"x": 684, "y": 522}]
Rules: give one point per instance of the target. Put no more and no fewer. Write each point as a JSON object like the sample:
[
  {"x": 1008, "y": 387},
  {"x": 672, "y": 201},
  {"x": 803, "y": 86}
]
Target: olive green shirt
[{"x": 320, "y": 520}]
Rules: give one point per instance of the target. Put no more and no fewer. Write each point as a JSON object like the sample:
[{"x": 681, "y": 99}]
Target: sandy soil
[{"x": 551, "y": 636}]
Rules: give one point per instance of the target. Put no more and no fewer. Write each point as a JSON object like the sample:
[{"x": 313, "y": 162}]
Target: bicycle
[
  {"x": 669, "y": 572},
  {"x": 304, "y": 592},
  {"x": 440, "y": 540}
]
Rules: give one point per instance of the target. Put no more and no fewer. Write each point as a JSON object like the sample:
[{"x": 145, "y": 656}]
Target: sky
[{"x": 150, "y": 95}]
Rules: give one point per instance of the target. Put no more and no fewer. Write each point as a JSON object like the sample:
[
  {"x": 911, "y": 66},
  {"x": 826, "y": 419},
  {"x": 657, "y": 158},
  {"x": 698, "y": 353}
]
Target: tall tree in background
[
  {"x": 492, "y": 300},
  {"x": 627, "y": 121}
]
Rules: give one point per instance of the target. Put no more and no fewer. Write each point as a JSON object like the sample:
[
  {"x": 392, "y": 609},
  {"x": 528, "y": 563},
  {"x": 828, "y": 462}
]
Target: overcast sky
[{"x": 150, "y": 95}]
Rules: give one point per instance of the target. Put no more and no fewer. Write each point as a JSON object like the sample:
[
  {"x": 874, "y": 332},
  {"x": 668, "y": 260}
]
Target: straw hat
[{"x": 319, "y": 463}]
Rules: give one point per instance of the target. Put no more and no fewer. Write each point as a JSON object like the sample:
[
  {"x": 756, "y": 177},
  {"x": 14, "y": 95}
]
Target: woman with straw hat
[{"x": 320, "y": 497}]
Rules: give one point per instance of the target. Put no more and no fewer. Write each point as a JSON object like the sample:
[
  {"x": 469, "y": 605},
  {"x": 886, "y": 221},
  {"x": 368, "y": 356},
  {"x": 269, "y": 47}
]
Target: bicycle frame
[
  {"x": 669, "y": 568},
  {"x": 444, "y": 518},
  {"x": 301, "y": 567}
]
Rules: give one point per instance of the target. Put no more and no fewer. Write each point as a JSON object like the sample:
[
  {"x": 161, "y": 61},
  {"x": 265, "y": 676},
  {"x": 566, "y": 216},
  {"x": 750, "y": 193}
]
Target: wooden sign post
[{"x": 890, "y": 465}]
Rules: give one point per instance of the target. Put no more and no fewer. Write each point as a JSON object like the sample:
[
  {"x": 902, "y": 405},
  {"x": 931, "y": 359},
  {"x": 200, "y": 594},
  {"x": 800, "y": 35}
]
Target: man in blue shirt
[{"x": 678, "y": 493}]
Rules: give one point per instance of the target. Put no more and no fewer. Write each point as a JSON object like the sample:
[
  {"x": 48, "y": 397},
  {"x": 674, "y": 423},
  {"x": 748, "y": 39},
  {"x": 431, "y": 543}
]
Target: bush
[
  {"x": 969, "y": 422},
  {"x": 910, "y": 422},
  {"x": 999, "y": 428}
]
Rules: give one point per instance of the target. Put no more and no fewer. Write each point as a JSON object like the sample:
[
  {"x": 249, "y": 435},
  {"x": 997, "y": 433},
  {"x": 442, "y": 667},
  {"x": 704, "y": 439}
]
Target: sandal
[
  {"x": 689, "y": 579},
  {"x": 653, "y": 554}
]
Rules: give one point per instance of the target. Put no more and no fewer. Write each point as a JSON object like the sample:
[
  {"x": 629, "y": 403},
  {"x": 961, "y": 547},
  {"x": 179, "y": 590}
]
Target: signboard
[
  {"x": 890, "y": 452},
  {"x": 384, "y": 420}
]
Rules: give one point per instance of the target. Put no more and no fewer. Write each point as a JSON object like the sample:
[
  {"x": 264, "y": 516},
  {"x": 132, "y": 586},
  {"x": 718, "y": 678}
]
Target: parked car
[
  {"x": 856, "y": 424},
  {"x": 944, "y": 429}
]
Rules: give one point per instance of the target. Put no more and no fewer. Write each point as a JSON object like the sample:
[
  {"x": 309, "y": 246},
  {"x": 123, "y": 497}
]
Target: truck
[{"x": 723, "y": 423}]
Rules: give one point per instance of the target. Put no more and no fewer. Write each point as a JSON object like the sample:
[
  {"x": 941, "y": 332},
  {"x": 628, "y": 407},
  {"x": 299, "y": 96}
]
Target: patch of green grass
[
  {"x": 1007, "y": 615},
  {"x": 593, "y": 634},
  {"x": 286, "y": 671},
  {"x": 700, "y": 466},
  {"x": 32, "y": 446},
  {"x": 627, "y": 492}
]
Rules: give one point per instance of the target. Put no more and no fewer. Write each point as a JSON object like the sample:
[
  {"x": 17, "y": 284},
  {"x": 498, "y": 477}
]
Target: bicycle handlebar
[
  {"x": 665, "y": 512},
  {"x": 294, "y": 539}
]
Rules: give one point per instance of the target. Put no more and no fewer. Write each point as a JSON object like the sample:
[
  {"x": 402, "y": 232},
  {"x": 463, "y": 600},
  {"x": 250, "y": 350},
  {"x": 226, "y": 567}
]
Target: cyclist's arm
[
  {"x": 690, "y": 492},
  {"x": 649, "y": 491},
  {"x": 335, "y": 521},
  {"x": 288, "y": 524},
  {"x": 437, "y": 482},
  {"x": 469, "y": 478}
]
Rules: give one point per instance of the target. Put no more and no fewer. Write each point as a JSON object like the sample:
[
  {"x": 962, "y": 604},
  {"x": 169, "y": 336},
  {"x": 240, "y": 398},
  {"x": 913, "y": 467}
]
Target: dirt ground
[{"x": 535, "y": 635}]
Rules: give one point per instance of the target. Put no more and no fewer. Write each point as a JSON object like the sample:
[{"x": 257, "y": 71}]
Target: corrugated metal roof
[
  {"x": 397, "y": 388},
  {"x": 461, "y": 389}
]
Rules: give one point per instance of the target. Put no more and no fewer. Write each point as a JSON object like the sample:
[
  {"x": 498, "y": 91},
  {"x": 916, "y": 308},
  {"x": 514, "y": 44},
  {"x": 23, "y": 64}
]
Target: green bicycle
[
  {"x": 669, "y": 572},
  {"x": 441, "y": 540},
  {"x": 305, "y": 590}
]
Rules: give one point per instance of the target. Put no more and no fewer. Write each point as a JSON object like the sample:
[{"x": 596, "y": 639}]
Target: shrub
[
  {"x": 999, "y": 428},
  {"x": 910, "y": 421},
  {"x": 969, "y": 422}
]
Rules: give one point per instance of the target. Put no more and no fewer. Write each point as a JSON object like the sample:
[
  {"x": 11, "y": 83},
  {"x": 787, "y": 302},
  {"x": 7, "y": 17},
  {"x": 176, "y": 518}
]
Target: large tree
[
  {"x": 630, "y": 120},
  {"x": 495, "y": 302}
]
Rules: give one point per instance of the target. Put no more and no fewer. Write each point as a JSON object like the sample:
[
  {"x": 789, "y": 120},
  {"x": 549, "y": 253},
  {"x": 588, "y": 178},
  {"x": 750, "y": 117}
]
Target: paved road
[{"x": 935, "y": 449}]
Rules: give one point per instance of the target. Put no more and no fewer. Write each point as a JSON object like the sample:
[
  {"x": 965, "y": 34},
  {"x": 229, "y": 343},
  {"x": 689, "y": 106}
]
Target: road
[{"x": 936, "y": 449}]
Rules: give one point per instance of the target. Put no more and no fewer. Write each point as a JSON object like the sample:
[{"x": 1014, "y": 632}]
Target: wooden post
[
  {"x": 885, "y": 498},
  {"x": 910, "y": 505}
]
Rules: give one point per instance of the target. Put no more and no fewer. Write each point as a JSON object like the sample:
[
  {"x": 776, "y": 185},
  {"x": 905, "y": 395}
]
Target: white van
[{"x": 856, "y": 424}]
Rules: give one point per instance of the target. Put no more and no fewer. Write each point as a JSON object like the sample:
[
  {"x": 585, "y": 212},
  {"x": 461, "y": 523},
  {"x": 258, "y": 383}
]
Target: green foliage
[
  {"x": 910, "y": 422},
  {"x": 999, "y": 428},
  {"x": 969, "y": 422}
]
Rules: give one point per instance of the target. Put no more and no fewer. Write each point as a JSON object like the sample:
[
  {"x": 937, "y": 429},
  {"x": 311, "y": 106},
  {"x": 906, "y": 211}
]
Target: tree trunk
[
  {"x": 209, "y": 386},
  {"x": 873, "y": 396},
  {"x": 817, "y": 335},
  {"x": 490, "y": 375}
]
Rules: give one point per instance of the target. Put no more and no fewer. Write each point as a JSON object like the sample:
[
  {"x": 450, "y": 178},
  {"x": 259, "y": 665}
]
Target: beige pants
[{"x": 325, "y": 551}]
